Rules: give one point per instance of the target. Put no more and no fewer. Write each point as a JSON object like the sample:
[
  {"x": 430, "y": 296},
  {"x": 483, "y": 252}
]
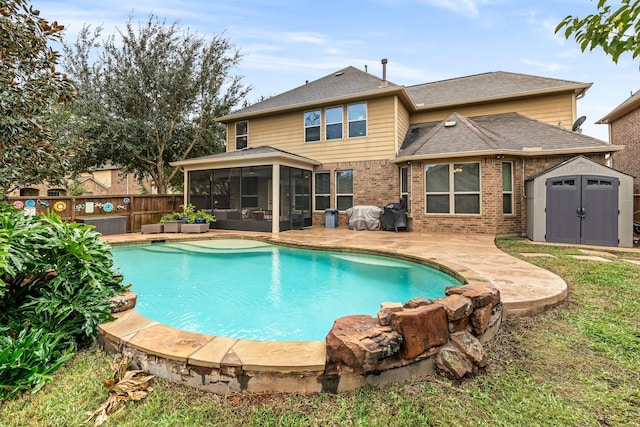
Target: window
[
  {"x": 333, "y": 123},
  {"x": 54, "y": 192},
  {"x": 322, "y": 190},
  {"x": 312, "y": 126},
  {"x": 344, "y": 190},
  {"x": 507, "y": 187},
  {"x": 31, "y": 192},
  {"x": 242, "y": 133},
  {"x": 357, "y": 115},
  {"x": 404, "y": 185},
  {"x": 461, "y": 198}
]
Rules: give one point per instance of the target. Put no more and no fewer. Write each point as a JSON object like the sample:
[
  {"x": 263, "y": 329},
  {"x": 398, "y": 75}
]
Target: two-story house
[
  {"x": 458, "y": 152},
  {"x": 624, "y": 129}
]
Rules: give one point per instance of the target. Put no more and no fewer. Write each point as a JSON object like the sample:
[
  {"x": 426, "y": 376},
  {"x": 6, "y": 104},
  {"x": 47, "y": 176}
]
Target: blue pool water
[{"x": 253, "y": 290}]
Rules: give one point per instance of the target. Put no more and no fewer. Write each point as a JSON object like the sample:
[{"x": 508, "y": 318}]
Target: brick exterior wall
[
  {"x": 626, "y": 131},
  {"x": 377, "y": 183}
]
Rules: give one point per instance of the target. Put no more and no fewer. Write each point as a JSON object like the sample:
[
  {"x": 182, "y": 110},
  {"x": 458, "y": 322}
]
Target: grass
[{"x": 575, "y": 365}]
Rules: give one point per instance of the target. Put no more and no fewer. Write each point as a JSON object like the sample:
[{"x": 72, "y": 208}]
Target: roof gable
[
  {"x": 487, "y": 86},
  {"x": 345, "y": 82},
  {"x": 630, "y": 104}
]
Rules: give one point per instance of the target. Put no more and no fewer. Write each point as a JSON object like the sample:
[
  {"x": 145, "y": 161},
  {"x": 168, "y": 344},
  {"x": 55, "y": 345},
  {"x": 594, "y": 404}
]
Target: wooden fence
[{"x": 137, "y": 209}]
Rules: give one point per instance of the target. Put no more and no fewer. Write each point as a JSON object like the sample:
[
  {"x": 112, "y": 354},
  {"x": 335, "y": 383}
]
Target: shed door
[
  {"x": 582, "y": 209},
  {"x": 600, "y": 205}
]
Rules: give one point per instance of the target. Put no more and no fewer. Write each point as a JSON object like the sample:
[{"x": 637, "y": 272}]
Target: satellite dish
[{"x": 578, "y": 123}]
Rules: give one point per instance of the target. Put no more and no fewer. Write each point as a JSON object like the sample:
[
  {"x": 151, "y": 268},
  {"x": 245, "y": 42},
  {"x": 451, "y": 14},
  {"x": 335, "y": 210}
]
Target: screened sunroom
[{"x": 260, "y": 189}]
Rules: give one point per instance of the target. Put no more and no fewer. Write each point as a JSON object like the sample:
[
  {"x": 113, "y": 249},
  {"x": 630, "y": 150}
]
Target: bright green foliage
[
  {"x": 615, "y": 29},
  {"x": 56, "y": 279},
  {"x": 30, "y": 89},
  {"x": 27, "y": 360},
  {"x": 149, "y": 95}
]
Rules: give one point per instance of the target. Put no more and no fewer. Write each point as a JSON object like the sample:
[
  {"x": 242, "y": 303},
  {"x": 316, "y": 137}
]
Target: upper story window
[
  {"x": 312, "y": 126},
  {"x": 463, "y": 197},
  {"x": 242, "y": 134},
  {"x": 357, "y": 116},
  {"x": 333, "y": 123}
]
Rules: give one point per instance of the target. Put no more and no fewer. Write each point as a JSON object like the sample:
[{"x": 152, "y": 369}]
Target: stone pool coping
[{"x": 295, "y": 366}]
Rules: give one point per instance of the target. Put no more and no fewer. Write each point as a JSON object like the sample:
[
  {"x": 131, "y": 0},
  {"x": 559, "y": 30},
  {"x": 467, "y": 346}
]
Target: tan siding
[
  {"x": 403, "y": 125},
  {"x": 286, "y": 132},
  {"x": 548, "y": 109}
]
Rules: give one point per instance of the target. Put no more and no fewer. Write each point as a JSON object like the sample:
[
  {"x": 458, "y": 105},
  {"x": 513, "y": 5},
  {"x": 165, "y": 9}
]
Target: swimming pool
[{"x": 253, "y": 290}]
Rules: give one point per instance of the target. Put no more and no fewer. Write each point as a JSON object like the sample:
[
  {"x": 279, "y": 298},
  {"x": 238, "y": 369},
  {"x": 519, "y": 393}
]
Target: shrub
[{"x": 55, "y": 282}]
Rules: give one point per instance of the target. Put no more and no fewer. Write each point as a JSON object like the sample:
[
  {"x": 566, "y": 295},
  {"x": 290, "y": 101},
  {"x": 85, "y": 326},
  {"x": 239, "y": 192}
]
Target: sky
[{"x": 285, "y": 43}]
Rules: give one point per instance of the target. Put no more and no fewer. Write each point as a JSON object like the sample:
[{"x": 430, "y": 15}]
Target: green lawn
[{"x": 576, "y": 365}]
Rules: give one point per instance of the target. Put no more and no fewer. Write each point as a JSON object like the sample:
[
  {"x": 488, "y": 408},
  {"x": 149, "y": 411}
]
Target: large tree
[
  {"x": 149, "y": 94},
  {"x": 31, "y": 88},
  {"x": 615, "y": 29}
]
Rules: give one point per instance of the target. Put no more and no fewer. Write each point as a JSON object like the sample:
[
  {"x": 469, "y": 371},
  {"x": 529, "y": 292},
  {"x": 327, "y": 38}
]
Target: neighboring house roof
[
  {"x": 488, "y": 87},
  {"x": 83, "y": 179},
  {"x": 630, "y": 104},
  {"x": 257, "y": 153},
  {"x": 342, "y": 84},
  {"x": 506, "y": 133}
]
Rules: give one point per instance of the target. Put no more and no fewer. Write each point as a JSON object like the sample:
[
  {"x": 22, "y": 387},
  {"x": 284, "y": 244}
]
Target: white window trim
[
  {"x": 452, "y": 193},
  {"x": 321, "y": 194},
  {"x": 508, "y": 192},
  {"x": 366, "y": 120},
  {"x": 327, "y": 123},
  {"x": 336, "y": 187},
  {"x": 243, "y": 134},
  {"x": 305, "y": 127}
]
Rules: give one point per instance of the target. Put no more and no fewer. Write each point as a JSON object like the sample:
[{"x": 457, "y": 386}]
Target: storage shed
[{"x": 581, "y": 202}]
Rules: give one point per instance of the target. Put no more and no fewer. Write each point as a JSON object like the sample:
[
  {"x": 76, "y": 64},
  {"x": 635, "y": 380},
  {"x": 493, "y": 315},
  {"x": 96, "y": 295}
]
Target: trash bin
[{"x": 331, "y": 218}]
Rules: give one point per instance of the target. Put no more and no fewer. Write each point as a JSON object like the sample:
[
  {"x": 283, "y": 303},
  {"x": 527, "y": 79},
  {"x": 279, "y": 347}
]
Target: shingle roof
[
  {"x": 486, "y": 86},
  {"x": 507, "y": 132},
  {"x": 630, "y": 104},
  {"x": 260, "y": 152},
  {"x": 348, "y": 81}
]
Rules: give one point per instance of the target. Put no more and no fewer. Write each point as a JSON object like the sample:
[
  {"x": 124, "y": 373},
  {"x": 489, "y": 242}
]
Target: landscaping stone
[
  {"x": 480, "y": 319},
  {"x": 421, "y": 328},
  {"x": 359, "y": 342},
  {"x": 417, "y": 302},
  {"x": 457, "y": 306},
  {"x": 480, "y": 295},
  {"x": 123, "y": 302},
  {"x": 386, "y": 310},
  {"x": 471, "y": 347},
  {"x": 453, "y": 362}
]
